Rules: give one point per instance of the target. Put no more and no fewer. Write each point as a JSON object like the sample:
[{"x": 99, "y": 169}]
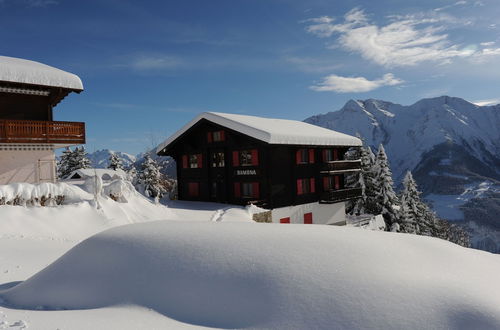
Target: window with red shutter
[
  {"x": 255, "y": 190},
  {"x": 193, "y": 189},
  {"x": 285, "y": 220},
  {"x": 337, "y": 182},
  {"x": 299, "y": 187},
  {"x": 308, "y": 218},
  {"x": 184, "y": 161},
  {"x": 255, "y": 157},
  {"x": 209, "y": 137},
  {"x": 236, "y": 158},
  {"x": 335, "y": 154},
  {"x": 298, "y": 157},
  {"x": 313, "y": 185},
  {"x": 311, "y": 156}
]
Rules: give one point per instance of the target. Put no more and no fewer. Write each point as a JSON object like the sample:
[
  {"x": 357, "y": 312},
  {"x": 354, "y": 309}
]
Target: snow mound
[
  {"x": 234, "y": 275},
  {"x": 26, "y": 193}
]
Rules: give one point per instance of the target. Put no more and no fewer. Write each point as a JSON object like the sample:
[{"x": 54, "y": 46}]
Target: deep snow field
[{"x": 209, "y": 265}]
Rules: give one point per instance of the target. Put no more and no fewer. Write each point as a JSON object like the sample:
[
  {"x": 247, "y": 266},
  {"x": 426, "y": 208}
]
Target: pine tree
[
  {"x": 132, "y": 176},
  {"x": 151, "y": 178},
  {"x": 412, "y": 208},
  {"x": 385, "y": 196},
  {"x": 72, "y": 160},
  {"x": 115, "y": 162},
  {"x": 365, "y": 181},
  {"x": 406, "y": 216}
]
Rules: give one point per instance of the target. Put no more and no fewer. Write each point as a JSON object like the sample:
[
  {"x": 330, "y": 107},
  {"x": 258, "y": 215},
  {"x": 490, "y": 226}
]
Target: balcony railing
[
  {"x": 34, "y": 131},
  {"x": 334, "y": 196},
  {"x": 341, "y": 166}
]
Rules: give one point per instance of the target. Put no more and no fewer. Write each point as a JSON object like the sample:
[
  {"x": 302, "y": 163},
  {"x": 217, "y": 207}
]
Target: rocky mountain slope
[{"x": 452, "y": 146}]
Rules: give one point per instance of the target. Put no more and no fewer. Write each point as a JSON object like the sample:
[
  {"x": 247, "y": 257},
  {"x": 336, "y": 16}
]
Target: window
[
  {"x": 218, "y": 159},
  {"x": 217, "y": 136},
  {"x": 193, "y": 189},
  {"x": 306, "y": 186},
  {"x": 246, "y": 189},
  {"x": 285, "y": 220},
  {"x": 331, "y": 182},
  {"x": 195, "y": 161},
  {"x": 246, "y": 158},
  {"x": 308, "y": 218},
  {"x": 304, "y": 156},
  {"x": 330, "y": 155}
]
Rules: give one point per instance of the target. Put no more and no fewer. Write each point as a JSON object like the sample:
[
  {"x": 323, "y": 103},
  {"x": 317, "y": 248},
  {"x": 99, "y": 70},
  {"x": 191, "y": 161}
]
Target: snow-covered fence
[{"x": 44, "y": 194}]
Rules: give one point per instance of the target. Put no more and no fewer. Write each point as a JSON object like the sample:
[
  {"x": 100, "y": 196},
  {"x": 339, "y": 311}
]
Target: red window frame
[
  {"x": 308, "y": 218},
  {"x": 306, "y": 182},
  {"x": 331, "y": 182},
  {"x": 238, "y": 189},
  {"x": 304, "y": 156},
  {"x": 254, "y": 154},
  {"x": 285, "y": 220}
]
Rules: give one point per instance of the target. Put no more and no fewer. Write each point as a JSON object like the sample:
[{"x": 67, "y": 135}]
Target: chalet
[
  {"x": 29, "y": 91},
  {"x": 293, "y": 168}
]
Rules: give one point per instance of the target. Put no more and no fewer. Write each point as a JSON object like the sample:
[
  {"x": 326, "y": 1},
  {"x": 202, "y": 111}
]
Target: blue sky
[{"x": 148, "y": 67}]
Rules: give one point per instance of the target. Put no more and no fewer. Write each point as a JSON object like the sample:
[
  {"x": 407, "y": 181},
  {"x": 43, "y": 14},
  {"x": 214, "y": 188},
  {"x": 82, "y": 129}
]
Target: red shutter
[
  {"x": 335, "y": 154},
  {"x": 237, "y": 190},
  {"x": 298, "y": 156},
  {"x": 255, "y": 190},
  {"x": 299, "y": 186},
  {"x": 308, "y": 218},
  {"x": 194, "y": 189},
  {"x": 199, "y": 160},
  {"x": 222, "y": 136},
  {"x": 236, "y": 158},
  {"x": 311, "y": 155},
  {"x": 337, "y": 182},
  {"x": 285, "y": 220},
  {"x": 313, "y": 185},
  {"x": 325, "y": 183},
  {"x": 324, "y": 155},
  {"x": 209, "y": 137},
  {"x": 184, "y": 161},
  {"x": 255, "y": 157}
]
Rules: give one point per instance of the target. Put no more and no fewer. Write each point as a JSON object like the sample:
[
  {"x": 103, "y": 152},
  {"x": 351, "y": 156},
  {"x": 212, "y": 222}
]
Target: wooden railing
[
  {"x": 34, "y": 131},
  {"x": 341, "y": 165},
  {"x": 334, "y": 196}
]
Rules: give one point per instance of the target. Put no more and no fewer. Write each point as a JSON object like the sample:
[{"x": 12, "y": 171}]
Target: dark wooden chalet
[{"x": 274, "y": 163}]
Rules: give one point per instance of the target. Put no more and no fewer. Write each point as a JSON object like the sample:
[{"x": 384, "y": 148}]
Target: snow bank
[
  {"x": 234, "y": 275},
  {"x": 44, "y": 194}
]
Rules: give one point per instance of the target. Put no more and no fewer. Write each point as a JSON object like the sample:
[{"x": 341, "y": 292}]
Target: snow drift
[{"x": 233, "y": 275}]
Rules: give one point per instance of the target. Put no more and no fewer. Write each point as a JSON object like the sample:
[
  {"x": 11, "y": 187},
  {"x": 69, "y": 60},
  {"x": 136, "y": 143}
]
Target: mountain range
[{"x": 452, "y": 147}]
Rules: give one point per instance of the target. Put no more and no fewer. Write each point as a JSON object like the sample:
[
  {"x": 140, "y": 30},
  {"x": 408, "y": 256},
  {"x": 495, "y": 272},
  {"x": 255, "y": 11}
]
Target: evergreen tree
[
  {"x": 132, "y": 176},
  {"x": 365, "y": 181},
  {"x": 412, "y": 208},
  {"x": 151, "y": 178},
  {"x": 72, "y": 160},
  {"x": 406, "y": 216},
  {"x": 115, "y": 162},
  {"x": 385, "y": 196}
]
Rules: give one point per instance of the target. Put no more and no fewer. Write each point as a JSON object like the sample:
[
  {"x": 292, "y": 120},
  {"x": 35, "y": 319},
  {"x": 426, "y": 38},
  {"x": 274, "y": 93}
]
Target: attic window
[{"x": 217, "y": 136}]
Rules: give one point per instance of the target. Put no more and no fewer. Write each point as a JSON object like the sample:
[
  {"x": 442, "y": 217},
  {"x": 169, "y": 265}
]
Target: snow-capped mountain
[
  {"x": 100, "y": 158},
  {"x": 452, "y": 146}
]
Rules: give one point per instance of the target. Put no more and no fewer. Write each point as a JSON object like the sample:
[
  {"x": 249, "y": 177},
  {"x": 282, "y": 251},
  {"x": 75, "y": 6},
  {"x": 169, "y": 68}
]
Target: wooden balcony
[
  {"x": 335, "y": 196},
  {"x": 341, "y": 166},
  {"x": 34, "y": 131}
]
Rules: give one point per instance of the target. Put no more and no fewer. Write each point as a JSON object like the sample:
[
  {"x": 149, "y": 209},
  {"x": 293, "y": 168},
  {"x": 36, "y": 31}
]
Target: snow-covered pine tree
[
  {"x": 132, "y": 175},
  {"x": 80, "y": 159},
  {"x": 115, "y": 162},
  {"x": 150, "y": 177},
  {"x": 385, "y": 196},
  {"x": 406, "y": 216},
  {"x": 64, "y": 163},
  {"x": 367, "y": 202},
  {"x": 412, "y": 209}
]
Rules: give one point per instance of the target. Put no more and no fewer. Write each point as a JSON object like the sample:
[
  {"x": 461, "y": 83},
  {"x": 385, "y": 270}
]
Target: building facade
[
  {"x": 29, "y": 91},
  {"x": 295, "y": 169}
]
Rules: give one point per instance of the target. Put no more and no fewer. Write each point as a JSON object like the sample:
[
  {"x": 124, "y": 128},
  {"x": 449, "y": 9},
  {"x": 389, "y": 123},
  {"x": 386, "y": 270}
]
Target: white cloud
[
  {"x": 339, "y": 84},
  {"x": 487, "y": 102},
  {"x": 487, "y": 44},
  {"x": 403, "y": 41}
]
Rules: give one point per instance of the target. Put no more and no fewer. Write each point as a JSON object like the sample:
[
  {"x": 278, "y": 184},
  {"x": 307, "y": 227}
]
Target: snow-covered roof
[
  {"x": 104, "y": 173},
  {"x": 272, "y": 131},
  {"x": 18, "y": 70}
]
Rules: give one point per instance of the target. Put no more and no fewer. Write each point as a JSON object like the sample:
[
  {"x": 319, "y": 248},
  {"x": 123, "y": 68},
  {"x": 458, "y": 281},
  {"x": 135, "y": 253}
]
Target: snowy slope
[{"x": 267, "y": 276}]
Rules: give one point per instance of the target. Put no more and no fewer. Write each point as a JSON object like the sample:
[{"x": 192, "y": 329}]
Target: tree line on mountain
[
  {"x": 404, "y": 212},
  {"x": 147, "y": 179}
]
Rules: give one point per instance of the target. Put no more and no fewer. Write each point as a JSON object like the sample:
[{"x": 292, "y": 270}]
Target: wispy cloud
[
  {"x": 339, "y": 84},
  {"x": 163, "y": 62},
  {"x": 487, "y": 102},
  {"x": 404, "y": 41},
  {"x": 458, "y": 3},
  {"x": 309, "y": 64}
]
